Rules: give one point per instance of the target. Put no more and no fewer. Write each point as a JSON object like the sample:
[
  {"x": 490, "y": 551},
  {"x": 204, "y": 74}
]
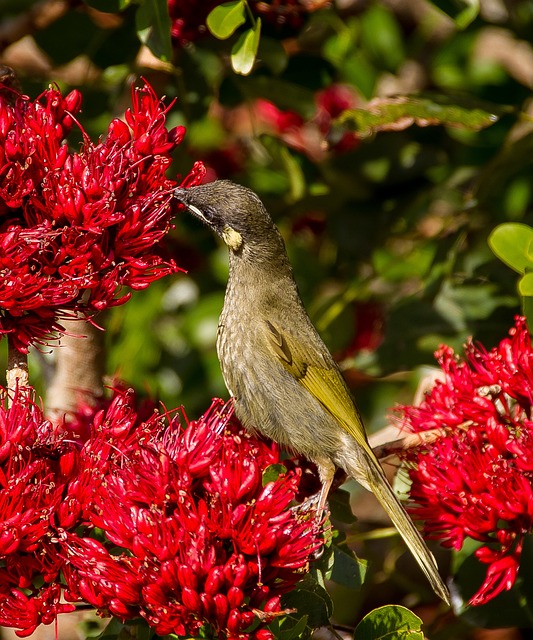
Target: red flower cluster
[
  {"x": 75, "y": 228},
  {"x": 190, "y": 538},
  {"x": 477, "y": 480},
  {"x": 35, "y": 469}
]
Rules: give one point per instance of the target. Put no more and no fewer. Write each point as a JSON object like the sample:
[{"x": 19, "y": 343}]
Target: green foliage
[
  {"x": 392, "y": 622},
  {"x": 153, "y": 27}
]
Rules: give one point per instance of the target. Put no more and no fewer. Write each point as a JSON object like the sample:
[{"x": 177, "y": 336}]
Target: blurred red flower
[
  {"x": 76, "y": 228},
  {"x": 189, "y": 538},
  {"x": 477, "y": 480},
  {"x": 316, "y": 136}
]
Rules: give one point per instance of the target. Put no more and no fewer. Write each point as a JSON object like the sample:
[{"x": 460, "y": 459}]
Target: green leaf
[
  {"x": 290, "y": 627},
  {"x": 225, "y": 19},
  {"x": 397, "y": 114},
  {"x": 244, "y": 50},
  {"x": 340, "y": 507},
  {"x": 133, "y": 630},
  {"x": 525, "y": 286},
  {"x": 272, "y": 54},
  {"x": 392, "y": 622},
  {"x": 153, "y": 28},
  {"x": 512, "y": 242},
  {"x": 381, "y": 37},
  {"x": 311, "y": 599},
  {"x": 527, "y": 309},
  {"x": 348, "y": 570},
  {"x": 273, "y": 472},
  {"x": 462, "y": 12}
]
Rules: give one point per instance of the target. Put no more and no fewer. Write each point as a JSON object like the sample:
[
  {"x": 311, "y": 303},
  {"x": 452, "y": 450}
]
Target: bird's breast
[{"x": 267, "y": 397}]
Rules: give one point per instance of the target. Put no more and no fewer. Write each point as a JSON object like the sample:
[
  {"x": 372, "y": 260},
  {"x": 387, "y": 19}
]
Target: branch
[
  {"x": 408, "y": 441},
  {"x": 79, "y": 369}
]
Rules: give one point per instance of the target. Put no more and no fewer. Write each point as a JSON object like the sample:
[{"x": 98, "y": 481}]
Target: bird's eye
[{"x": 209, "y": 213}]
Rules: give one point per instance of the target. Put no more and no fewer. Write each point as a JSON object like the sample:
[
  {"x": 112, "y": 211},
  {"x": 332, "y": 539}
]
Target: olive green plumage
[{"x": 284, "y": 381}]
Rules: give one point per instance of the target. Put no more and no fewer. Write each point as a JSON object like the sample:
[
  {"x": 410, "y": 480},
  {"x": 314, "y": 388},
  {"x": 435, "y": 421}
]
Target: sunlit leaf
[
  {"x": 225, "y": 19},
  {"x": 244, "y": 50},
  {"x": 512, "y": 242}
]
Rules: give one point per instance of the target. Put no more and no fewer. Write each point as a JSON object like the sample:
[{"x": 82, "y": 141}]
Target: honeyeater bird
[{"x": 284, "y": 381}]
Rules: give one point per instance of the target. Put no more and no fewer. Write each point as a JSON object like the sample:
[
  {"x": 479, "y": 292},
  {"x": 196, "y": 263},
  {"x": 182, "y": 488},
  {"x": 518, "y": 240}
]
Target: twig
[
  {"x": 17, "y": 369},
  {"x": 409, "y": 441}
]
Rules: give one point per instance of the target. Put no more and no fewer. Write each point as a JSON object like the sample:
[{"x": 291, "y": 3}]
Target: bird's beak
[{"x": 182, "y": 195}]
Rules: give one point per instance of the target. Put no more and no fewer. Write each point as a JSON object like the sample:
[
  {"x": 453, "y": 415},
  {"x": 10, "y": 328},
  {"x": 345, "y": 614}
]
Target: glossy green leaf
[
  {"x": 462, "y": 12},
  {"x": 244, "y": 51},
  {"x": 225, "y": 19},
  {"x": 392, "y": 622},
  {"x": 512, "y": 242},
  {"x": 153, "y": 27}
]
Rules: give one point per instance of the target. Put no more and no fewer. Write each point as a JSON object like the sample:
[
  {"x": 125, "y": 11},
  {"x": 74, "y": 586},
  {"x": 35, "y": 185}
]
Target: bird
[{"x": 284, "y": 382}]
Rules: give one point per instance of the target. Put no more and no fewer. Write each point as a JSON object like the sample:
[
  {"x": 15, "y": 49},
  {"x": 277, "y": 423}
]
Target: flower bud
[{"x": 191, "y": 600}]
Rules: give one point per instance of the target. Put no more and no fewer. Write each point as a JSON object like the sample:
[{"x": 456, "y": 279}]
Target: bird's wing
[{"x": 320, "y": 376}]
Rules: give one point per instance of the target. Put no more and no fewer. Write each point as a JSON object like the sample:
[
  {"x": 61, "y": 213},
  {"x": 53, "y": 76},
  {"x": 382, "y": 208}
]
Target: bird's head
[{"x": 237, "y": 215}]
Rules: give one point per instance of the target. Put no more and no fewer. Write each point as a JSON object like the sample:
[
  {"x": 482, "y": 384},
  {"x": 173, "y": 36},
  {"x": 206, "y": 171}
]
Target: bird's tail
[{"x": 373, "y": 478}]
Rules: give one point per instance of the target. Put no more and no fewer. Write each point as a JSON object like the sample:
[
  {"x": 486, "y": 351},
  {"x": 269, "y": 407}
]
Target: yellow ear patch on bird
[{"x": 232, "y": 238}]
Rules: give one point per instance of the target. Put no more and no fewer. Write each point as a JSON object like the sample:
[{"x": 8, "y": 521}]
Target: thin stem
[
  {"x": 17, "y": 368},
  {"x": 250, "y": 13}
]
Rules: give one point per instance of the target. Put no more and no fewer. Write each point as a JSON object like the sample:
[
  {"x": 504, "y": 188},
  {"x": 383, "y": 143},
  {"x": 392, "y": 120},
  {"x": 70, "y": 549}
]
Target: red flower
[
  {"x": 315, "y": 136},
  {"x": 188, "y": 535},
  {"x": 477, "y": 480},
  {"x": 76, "y": 228},
  {"x": 188, "y": 19},
  {"x": 35, "y": 469},
  {"x": 204, "y": 543}
]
